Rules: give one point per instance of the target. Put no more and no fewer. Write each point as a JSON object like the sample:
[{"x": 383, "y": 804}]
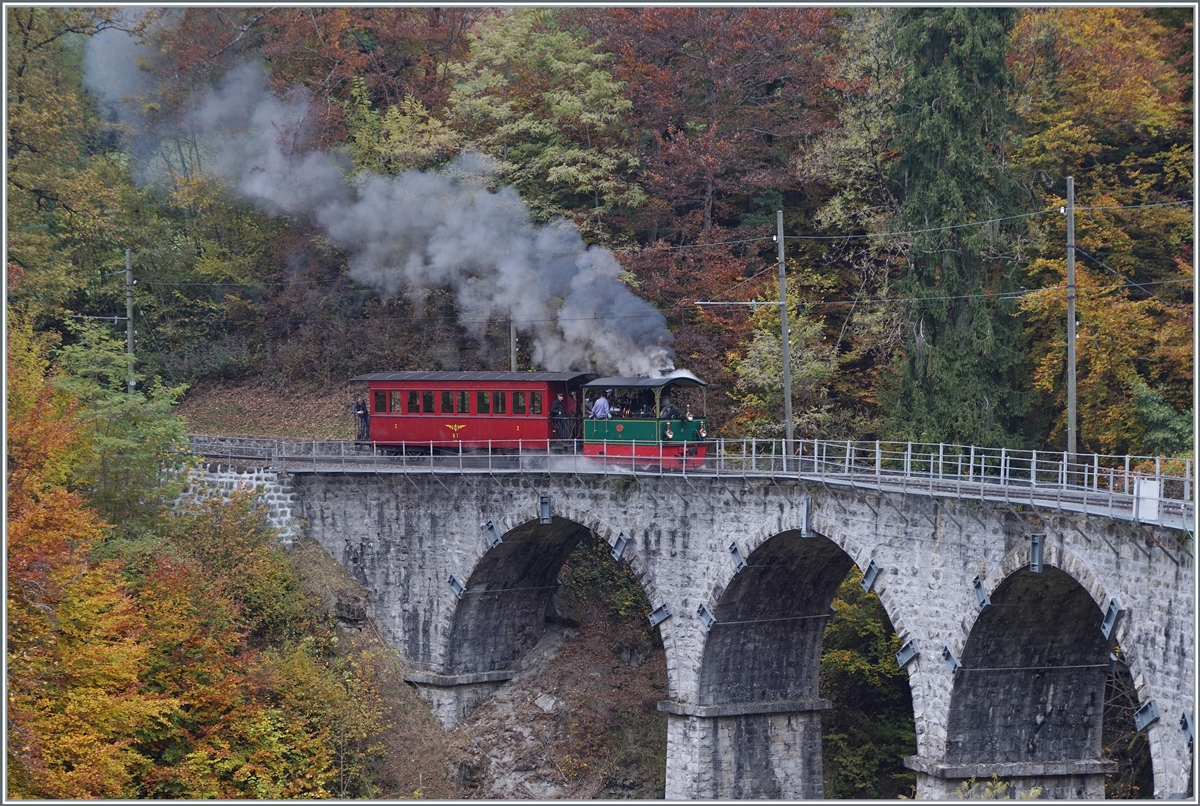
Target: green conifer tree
[{"x": 961, "y": 375}]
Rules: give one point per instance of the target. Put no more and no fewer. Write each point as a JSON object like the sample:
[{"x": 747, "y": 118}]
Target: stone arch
[
  {"x": 766, "y": 642},
  {"x": 1028, "y": 702},
  {"x": 1056, "y": 556},
  {"x": 859, "y": 552},
  {"x": 1127, "y": 633},
  {"x": 502, "y": 613},
  {"x": 758, "y": 696},
  {"x": 582, "y": 511}
]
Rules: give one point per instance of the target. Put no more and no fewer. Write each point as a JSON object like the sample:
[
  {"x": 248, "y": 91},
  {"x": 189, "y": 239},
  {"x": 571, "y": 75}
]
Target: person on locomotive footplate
[
  {"x": 669, "y": 410},
  {"x": 645, "y": 406},
  {"x": 600, "y": 408}
]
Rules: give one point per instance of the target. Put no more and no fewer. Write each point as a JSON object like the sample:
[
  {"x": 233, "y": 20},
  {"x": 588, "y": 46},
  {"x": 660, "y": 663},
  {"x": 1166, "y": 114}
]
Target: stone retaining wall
[{"x": 275, "y": 490}]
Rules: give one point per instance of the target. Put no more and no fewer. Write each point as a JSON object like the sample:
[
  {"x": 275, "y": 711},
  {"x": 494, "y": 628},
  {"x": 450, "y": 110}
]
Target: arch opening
[
  {"x": 1031, "y": 687},
  {"x": 567, "y": 627},
  {"x": 766, "y": 643},
  {"x": 502, "y": 613},
  {"x": 775, "y": 630}
]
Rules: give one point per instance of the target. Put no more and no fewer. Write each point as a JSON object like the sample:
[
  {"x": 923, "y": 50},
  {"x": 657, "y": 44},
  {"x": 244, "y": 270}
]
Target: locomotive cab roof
[{"x": 679, "y": 377}]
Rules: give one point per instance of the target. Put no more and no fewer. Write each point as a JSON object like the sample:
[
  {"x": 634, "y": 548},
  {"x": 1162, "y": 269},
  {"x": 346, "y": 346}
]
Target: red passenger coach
[{"x": 472, "y": 410}]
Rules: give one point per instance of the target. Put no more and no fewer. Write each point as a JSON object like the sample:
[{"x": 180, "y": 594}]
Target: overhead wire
[
  {"x": 1128, "y": 282},
  {"x": 756, "y": 275},
  {"x": 609, "y": 316}
]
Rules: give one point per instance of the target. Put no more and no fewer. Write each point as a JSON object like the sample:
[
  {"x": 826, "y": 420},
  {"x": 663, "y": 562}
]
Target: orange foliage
[
  {"x": 133, "y": 679},
  {"x": 75, "y": 636}
]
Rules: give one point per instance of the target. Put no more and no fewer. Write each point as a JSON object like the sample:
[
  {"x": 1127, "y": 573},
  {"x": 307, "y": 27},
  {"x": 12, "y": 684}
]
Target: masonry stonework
[
  {"x": 274, "y": 490},
  {"x": 743, "y": 702}
]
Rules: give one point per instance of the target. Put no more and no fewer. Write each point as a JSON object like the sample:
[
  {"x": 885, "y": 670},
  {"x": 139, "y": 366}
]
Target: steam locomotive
[{"x": 653, "y": 421}]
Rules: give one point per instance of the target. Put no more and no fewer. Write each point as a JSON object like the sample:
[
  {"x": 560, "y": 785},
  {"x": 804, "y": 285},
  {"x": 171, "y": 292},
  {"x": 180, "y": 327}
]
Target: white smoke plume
[{"x": 417, "y": 231}]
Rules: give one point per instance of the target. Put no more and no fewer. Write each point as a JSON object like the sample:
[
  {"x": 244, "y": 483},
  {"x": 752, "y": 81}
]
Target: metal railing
[{"x": 1143, "y": 489}]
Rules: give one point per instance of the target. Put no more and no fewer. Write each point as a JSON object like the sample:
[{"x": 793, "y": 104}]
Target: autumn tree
[
  {"x": 723, "y": 95},
  {"x": 870, "y": 729},
  {"x": 1102, "y": 102},
  {"x": 759, "y": 373},
  {"x": 537, "y": 95},
  {"x": 134, "y": 452},
  {"x": 60, "y": 197},
  {"x": 75, "y": 636},
  {"x": 858, "y": 215}
]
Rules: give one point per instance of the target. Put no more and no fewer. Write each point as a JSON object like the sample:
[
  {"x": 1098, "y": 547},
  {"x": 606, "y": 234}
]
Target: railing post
[
  {"x": 1096, "y": 471},
  {"x": 1033, "y": 469},
  {"x": 1187, "y": 478},
  {"x": 847, "y": 458},
  {"x": 878, "y": 459},
  {"x": 907, "y": 460},
  {"x": 941, "y": 460},
  {"x": 1127, "y": 474},
  {"x": 1004, "y": 467}
]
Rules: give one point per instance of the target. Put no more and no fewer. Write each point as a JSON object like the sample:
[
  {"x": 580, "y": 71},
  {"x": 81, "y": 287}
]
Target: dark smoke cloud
[{"x": 410, "y": 233}]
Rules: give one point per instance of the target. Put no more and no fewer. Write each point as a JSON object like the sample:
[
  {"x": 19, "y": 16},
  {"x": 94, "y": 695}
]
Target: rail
[{"x": 1142, "y": 489}]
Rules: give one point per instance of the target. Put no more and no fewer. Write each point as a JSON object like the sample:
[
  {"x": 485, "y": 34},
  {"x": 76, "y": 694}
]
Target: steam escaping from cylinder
[{"x": 417, "y": 231}]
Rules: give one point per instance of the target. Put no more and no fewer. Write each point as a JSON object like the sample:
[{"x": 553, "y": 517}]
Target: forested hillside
[{"x": 311, "y": 193}]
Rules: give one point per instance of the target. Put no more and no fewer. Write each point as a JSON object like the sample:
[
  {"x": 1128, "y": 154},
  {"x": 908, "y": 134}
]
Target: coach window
[
  {"x": 396, "y": 404},
  {"x": 447, "y": 402},
  {"x": 481, "y": 403},
  {"x": 414, "y": 402},
  {"x": 498, "y": 402},
  {"x": 464, "y": 402},
  {"x": 535, "y": 402},
  {"x": 427, "y": 399},
  {"x": 518, "y": 402},
  {"x": 381, "y": 402}
]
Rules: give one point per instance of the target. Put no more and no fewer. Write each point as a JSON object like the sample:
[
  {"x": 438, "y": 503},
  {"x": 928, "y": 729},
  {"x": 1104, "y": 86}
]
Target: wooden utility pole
[
  {"x": 129, "y": 383},
  {"x": 787, "y": 352},
  {"x": 1071, "y": 435}
]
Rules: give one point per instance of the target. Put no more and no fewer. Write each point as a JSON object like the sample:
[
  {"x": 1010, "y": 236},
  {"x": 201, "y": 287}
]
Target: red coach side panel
[{"x": 467, "y": 410}]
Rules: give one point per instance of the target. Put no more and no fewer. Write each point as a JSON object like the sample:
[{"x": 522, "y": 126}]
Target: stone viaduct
[{"x": 1009, "y": 615}]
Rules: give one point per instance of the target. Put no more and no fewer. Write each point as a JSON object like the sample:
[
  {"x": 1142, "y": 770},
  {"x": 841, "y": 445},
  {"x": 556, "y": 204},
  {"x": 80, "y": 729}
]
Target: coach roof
[{"x": 476, "y": 377}]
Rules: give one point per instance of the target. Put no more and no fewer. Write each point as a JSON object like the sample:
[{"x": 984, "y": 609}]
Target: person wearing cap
[
  {"x": 558, "y": 417},
  {"x": 600, "y": 410}
]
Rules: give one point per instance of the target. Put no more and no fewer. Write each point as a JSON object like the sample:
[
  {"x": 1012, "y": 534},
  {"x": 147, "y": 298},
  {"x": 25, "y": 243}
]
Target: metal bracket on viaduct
[{"x": 1011, "y": 579}]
